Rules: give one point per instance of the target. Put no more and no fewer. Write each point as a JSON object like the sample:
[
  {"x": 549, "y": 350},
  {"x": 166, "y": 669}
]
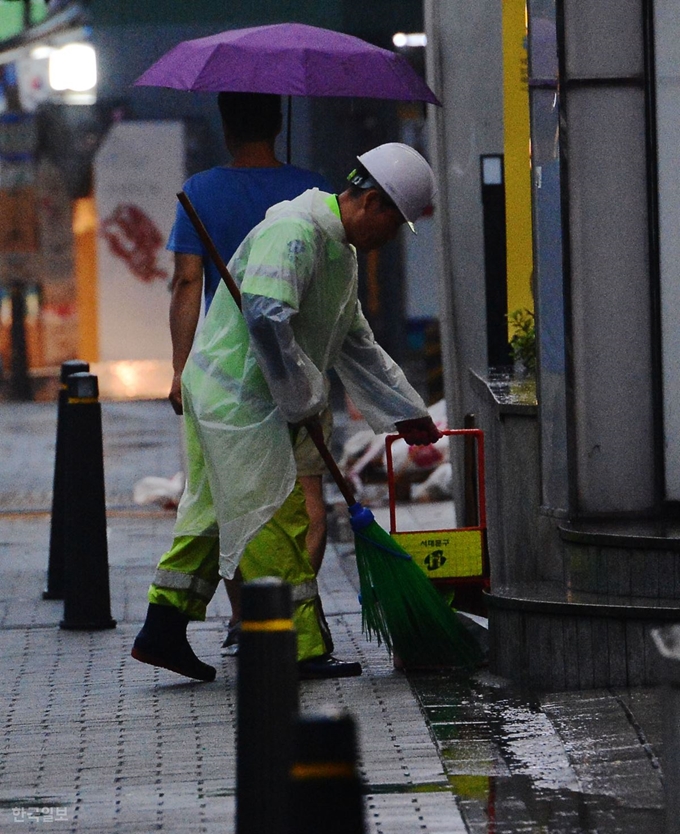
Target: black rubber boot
[
  {"x": 323, "y": 625},
  {"x": 163, "y": 642},
  {"x": 327, "y": 666}
]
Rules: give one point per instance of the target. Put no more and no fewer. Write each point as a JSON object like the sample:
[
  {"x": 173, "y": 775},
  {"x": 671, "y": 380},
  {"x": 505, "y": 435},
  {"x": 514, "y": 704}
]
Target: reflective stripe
[
  {"x": 205, "y": 590},
  {"x": 177, "y": 581},
  {"x": 323, "y": 770},
  {"x": 267, "y": 625},
  {"x": 305, "y": 591}
]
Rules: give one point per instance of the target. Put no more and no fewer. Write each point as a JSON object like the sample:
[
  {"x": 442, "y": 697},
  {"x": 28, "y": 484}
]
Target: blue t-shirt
[{"x": 231, "y": 202}]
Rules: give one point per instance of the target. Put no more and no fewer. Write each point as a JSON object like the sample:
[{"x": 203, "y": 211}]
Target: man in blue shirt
[{"x": 231, "y": 200}]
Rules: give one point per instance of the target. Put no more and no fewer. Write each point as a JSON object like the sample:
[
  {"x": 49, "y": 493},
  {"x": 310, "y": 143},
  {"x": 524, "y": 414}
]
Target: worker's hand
[
  {"x": 419, "y": 432},
  {"x": 175, "y": 395}
]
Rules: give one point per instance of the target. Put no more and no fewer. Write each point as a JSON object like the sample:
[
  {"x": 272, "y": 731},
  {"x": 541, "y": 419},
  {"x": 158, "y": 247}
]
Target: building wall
[
  {"x": 465, "y": 70},
  {"x": 609, "y": 279}
]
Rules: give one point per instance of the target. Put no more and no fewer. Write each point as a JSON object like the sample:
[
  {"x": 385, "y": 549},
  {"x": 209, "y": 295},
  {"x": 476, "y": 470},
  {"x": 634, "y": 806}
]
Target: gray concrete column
[
  {"x": 464, "y": 66},
  {"x": 608, "y": 285}
]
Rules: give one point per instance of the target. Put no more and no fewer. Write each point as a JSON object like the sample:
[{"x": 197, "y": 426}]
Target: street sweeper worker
[
  {"x": 255, "y": 377},
  {"x": 231, "y": 200}
]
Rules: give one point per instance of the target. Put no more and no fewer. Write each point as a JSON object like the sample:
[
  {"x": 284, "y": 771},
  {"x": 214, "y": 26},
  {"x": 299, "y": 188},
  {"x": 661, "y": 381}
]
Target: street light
[
  {"x": 73, "y": 67},
  {"x": 402, "y": 39}
]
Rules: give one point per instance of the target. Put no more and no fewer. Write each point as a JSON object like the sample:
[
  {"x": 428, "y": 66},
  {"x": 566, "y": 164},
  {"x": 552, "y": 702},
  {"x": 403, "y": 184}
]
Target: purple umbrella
[{"x": 288, "y": 59}]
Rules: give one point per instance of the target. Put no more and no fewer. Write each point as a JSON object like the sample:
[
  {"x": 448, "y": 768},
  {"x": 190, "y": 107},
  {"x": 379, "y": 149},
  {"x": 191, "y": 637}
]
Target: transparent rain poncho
[{"x": 253, "y": 373}]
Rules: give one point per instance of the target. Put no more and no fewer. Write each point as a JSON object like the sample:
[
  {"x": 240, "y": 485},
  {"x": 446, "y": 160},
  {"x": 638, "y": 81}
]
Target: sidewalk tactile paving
[
  {"x": 92, "y": 741},
  {"x": 120, "y": 744},
  {"x": 434, "y": 813},
  {"x": 395, "y": 744}
]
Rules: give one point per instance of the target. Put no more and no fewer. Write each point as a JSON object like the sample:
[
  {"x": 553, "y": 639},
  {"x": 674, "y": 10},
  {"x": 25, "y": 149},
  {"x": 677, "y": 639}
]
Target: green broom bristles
[{"x": 401, "y": 607}]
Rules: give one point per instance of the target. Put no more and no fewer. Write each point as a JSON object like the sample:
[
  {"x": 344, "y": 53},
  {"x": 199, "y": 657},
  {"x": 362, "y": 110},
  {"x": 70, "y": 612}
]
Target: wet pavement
[
  {"x": 572, "y": 762},
  {"x": 93, "y": 741}
]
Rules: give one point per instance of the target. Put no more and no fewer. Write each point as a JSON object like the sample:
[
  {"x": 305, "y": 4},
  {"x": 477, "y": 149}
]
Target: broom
[{"x": 400, "y": 606}]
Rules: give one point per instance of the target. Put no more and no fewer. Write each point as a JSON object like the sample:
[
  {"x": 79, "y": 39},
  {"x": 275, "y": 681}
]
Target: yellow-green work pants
[{"x": 188, "y": 574}]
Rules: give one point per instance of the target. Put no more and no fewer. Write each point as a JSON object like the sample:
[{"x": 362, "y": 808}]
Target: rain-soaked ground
[{"x": 560, "y": 763}]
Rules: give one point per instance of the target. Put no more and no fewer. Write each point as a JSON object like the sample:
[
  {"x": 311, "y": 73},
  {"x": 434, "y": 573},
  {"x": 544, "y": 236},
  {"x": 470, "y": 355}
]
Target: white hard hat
[{"x": 404, "y": 175}]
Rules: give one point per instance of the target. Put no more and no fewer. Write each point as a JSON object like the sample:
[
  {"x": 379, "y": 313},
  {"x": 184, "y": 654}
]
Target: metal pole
[
  {"x": 471, "y": 510},
  {"x": 20, "y": 384}
]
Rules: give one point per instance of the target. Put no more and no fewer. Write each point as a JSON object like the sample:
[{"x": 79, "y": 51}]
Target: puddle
[{"x": 512, "y": 772}]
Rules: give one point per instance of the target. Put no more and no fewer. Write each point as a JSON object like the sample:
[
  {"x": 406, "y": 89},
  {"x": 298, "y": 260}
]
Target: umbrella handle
[
  {"x": 313, "y": 426},
  {"x": 210, "y": 246}
]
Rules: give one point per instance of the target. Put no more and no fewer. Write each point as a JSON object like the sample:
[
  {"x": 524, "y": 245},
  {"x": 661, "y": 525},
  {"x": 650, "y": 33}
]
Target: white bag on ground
[{"x": 163, "y": 491}]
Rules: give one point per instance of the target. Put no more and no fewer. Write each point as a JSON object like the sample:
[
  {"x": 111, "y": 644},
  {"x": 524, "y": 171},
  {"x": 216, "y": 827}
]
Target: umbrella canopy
[{"x": 288, "y": 59}]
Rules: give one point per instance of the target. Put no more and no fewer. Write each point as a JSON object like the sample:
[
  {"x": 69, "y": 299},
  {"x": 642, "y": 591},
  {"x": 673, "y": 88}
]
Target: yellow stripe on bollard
[
  {"x": 323, "y": 770},
  {"x": 267, "y": 625},
  {"x": 82, "y": 400}
]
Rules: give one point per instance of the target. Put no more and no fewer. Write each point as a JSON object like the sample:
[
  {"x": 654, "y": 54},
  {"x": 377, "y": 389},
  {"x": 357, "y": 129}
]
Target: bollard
[
  {"x": 667, "y": 642},
  {"x": 325, "y": 788},
  {"x": 55, "y": 565},
  {"x": 87, "y": 603},
  {"x": 266, "y": 706}
]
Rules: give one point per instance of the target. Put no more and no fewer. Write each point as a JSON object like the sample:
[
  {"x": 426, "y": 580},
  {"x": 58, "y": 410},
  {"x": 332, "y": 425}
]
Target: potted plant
[{"x": 523, "y": 342}]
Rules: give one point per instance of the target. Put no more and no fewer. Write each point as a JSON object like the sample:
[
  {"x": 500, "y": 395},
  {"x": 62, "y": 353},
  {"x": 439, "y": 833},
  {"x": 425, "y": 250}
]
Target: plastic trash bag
[{"x": 163, "y": 491}]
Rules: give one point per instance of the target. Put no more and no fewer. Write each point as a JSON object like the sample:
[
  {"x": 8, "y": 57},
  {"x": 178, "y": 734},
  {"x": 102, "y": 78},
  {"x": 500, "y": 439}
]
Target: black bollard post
[
  {"x": 87, "y": 603},
  {"x": 55, "y": 565},
  {"x": 267, "y": 704},
  {"x": 325, "y": 788}
]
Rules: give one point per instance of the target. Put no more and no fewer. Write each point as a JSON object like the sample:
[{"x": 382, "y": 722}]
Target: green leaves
[{"x": 523, "y": 339}]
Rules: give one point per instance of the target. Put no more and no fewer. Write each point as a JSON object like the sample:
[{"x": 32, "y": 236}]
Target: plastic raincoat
[{"x": 253, "y": 373}]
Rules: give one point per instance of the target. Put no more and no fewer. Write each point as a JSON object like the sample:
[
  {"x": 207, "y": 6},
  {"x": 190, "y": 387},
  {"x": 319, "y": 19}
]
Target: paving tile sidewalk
[
  {"x": 119, "y": 746},
  {"x": 94, "y": 741},
  {"x": 109, "y": 744}
]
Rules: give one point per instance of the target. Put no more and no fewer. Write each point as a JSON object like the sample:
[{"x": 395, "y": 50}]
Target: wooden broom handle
[
  {"x": 210, "y": 246},
  {"x": 313, "y": 426}
]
